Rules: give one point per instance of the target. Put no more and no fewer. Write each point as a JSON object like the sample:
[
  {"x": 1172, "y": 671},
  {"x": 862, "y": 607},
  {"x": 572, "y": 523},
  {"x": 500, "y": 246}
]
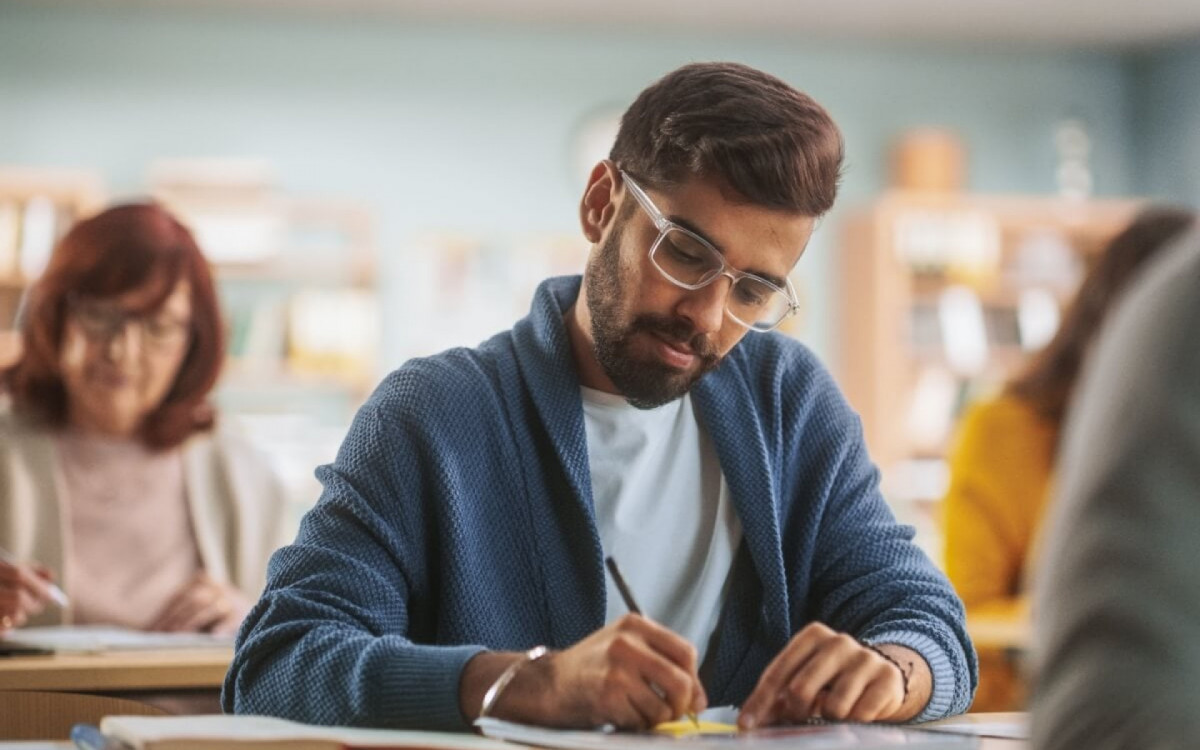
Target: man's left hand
[{"x": 825, "y": 674}]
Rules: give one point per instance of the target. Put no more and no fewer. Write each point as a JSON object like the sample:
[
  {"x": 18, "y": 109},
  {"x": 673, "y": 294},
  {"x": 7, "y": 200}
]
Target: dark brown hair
[
  {"x": 1049, "y": 379},
  {"x": 124, "y": 248},
  {"x": 768, "y": 142}
]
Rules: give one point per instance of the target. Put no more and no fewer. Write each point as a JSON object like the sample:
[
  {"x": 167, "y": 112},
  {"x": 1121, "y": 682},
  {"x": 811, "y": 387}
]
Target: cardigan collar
[{"x": 726, "y": 406}]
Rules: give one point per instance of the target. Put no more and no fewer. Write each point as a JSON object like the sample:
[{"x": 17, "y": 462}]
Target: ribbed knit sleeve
[
  {"x": 867, "y": 577},
  {"x": 331, "y": 641}
]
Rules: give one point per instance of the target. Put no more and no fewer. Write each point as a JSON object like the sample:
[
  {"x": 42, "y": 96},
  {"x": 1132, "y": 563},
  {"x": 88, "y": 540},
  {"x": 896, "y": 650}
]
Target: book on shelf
[
  {"x": 1002, "y": 326},
  {"x": 964, "y": 330},
  {"x": 39, "y": 220},
  {"x": 213, "y": 732},
  {"x": 1037, "y": 317},
  {"x": 934, "y": 406},
  {"x": 260, "y": 337},
  {"x": 37, "y": 234},
  {"x": 10, "y": 239},
  {"x": 333, "y": 331}
]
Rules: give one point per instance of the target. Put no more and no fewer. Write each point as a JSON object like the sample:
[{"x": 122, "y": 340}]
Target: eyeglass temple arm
[
  {"x": 660, "y": 221},
  {"x": 793, "y": 299}
]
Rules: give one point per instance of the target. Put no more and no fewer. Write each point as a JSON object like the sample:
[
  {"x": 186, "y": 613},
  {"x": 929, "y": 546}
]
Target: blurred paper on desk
[
  {"x": 795, "y": 737},
  {"x": 218, "y": 732},
  {"x": 1008, "y": 726},
  {"x": 90, "y": 639}
]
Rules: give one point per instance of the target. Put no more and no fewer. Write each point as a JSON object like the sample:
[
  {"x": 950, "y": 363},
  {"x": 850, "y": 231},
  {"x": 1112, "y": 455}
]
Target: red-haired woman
[{"x": 114, "y": 480}]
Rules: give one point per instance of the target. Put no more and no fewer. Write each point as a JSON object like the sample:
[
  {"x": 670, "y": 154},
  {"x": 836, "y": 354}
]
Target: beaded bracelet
[{"x": 493, "y": 693}]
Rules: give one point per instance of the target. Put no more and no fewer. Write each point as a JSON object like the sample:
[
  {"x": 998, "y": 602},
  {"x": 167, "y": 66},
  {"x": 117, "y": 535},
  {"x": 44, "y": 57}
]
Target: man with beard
[{"x": 453, "y": 567}]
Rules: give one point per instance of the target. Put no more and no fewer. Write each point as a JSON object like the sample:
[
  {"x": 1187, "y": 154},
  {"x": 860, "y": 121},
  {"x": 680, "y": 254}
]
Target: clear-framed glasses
[
  {"x": 689, "y": 261},
  {"x": 101, "y": 322}
]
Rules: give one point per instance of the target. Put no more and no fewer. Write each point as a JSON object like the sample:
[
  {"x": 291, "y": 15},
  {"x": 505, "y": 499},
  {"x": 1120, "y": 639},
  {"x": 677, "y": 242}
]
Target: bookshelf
[
  {"x": 297, "y": 277},
  {"x": 37, "y": 205},
  {"x": 942, "y": 296}
]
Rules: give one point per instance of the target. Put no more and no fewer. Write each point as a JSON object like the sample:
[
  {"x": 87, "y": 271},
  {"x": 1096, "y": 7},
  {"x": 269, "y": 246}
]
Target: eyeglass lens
[
  {"x": 104, "y": 322},
  {"x": 686, "y": 260}
]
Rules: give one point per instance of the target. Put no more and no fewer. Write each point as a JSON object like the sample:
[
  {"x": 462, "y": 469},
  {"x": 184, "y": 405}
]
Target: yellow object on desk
[{"x": 693, "y": 728}]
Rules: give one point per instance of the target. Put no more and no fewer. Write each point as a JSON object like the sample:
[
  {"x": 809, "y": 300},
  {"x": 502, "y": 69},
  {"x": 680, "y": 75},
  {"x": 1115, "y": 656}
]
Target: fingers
[
  {"x": 762, "y": 707},
  {"x": 822, "y": 673},
  {"x": 198, "y": 606},
  {"x": 633, "y": 673},
  {"x": 666, "y": 662},
  {"x": 23, "y": 594},
  {"x": 834, "y": 654},
  {"x": 878, "y": 702},
  {"x": 842, "y": 687},
  {"x": 648, "y": 706},
  {"x": 664, "y": 641},
  {"x": 190, "y": 612}
]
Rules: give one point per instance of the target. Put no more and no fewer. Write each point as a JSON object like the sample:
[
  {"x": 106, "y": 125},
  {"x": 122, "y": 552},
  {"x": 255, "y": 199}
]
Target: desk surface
[
  {"x": 985, "y": 743},
  {"x": 997, "y": 632},
  {"x": 116, "y": 671}
]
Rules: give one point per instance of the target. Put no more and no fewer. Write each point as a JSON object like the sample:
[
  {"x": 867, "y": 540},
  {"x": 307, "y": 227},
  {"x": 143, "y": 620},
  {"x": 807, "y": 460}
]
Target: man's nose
[{"x": 705, "y": 307}]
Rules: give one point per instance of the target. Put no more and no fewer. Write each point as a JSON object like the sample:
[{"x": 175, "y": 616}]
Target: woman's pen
[
  {"x": 631, "y": 605},
  {"x": 56, "y": 594}
]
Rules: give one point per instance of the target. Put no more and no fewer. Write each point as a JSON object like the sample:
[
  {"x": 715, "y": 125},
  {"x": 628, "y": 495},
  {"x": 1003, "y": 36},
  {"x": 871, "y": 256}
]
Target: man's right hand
[
  {"x": 24, "y": 592},
  {"x": 633, "y": 674}
]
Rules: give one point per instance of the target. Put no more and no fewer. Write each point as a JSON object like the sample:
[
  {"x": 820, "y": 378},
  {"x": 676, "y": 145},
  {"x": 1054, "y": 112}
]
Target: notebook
[{"x": 267, "y": 733}]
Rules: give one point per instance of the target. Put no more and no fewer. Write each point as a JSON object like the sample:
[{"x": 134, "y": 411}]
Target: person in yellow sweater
[{"x": 1001, "y": 467}]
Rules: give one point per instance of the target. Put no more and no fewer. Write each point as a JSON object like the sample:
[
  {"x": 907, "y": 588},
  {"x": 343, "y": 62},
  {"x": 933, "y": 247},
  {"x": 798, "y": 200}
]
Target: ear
[{"x": 600, "y": 201}]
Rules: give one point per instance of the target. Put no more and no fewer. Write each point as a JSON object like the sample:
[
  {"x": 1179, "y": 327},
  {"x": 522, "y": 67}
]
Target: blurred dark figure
[{"x": 1118, "y": 599}]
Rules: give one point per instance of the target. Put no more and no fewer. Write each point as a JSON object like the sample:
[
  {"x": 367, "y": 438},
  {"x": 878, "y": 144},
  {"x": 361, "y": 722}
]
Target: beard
[{"x": 646, "y": 383}]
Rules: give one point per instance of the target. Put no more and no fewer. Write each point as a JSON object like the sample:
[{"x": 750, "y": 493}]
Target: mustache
[{"x": 677, "y": 330}]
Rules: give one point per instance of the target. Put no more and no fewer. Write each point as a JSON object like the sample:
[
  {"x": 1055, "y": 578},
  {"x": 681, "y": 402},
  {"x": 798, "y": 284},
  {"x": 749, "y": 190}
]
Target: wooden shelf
[
  {"x": 83, "y": 190},
  {"x": 243, "y": 375},
  {"x": 322, "y": 271},
  {"x": 879, "y": 364}
]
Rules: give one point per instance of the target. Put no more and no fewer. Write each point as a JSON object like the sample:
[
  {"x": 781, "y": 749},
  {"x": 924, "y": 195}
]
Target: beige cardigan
[{"x": 236, "y": 505}]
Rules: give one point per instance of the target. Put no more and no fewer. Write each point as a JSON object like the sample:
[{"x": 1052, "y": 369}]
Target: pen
[
  {"x": 631, "y": 605},
  {"x": 56, "y": 594}
]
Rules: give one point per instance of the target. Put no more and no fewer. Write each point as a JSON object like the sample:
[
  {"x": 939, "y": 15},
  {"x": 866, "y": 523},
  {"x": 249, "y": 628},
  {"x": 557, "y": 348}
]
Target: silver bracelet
[{"x": 493, "y": 693}]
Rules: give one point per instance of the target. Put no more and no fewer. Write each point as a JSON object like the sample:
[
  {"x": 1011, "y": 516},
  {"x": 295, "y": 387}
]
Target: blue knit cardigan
[{"x": 458, "y": 517}]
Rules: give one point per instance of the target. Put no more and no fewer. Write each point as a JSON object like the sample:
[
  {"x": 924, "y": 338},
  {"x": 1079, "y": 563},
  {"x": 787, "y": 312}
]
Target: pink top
[{"x": 130, "y": 545}]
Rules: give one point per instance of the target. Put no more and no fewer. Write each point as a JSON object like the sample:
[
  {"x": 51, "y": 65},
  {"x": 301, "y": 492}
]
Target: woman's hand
[
  {"x": 24, "y": 592},
  {"x": 203, "y": 605}
]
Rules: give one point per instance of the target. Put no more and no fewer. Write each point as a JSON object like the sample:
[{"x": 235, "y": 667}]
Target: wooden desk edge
[{"x": 141, "y": 670}]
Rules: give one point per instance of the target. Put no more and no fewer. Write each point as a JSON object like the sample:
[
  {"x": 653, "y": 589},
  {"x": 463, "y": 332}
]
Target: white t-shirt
[{"x": 663, "y": 511}]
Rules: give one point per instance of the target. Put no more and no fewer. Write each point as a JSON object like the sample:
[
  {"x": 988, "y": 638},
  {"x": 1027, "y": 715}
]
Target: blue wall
[
  {"x": 1166, "y": 108},
  {"x": 471, "y": 127}
]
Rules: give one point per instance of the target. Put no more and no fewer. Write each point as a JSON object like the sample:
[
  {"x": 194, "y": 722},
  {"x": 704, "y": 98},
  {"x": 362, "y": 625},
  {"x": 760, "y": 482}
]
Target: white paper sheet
[
  {"x": 100, "y": 638},
  {"x": 802, "y": 737}
]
